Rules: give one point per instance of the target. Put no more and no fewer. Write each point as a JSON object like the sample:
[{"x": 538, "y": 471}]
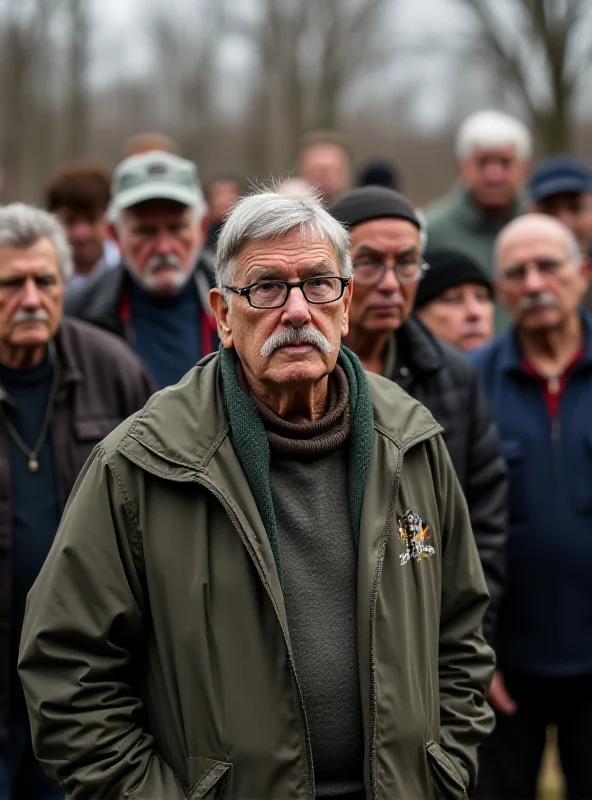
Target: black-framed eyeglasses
[
  {"x": 369, "y": 271},
  {"x": 544, "y": 266},
  {"x": 273, "y": 294}
]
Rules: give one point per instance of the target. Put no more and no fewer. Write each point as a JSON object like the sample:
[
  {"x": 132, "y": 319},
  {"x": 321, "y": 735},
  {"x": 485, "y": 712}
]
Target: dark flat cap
[{"x": 559, "y": 174}]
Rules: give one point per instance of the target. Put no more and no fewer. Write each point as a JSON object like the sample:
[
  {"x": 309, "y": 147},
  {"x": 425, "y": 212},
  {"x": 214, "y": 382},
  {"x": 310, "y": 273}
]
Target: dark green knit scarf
[{"x": 252, "y": 448}]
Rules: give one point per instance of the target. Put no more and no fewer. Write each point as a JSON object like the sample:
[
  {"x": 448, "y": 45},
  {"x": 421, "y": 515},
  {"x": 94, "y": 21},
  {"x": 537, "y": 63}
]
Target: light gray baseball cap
[{"x": 153, "y": 176}]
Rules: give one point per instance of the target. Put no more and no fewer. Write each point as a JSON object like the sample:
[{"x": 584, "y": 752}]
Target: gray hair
[
  {"x": 575, "y": 254},
  {"x": 22, "y": 226},
  {"x": 489, "y": 129},
  {"x": 270, "y": 215}
]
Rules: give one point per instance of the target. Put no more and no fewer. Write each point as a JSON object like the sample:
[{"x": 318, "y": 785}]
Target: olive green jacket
[{"x": 156, "y": 654}]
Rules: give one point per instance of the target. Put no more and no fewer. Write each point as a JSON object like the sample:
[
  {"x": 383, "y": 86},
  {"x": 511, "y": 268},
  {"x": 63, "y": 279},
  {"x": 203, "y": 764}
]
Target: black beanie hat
[
  {"x": 448, "y": 268},
  {"x": 372, "y": 202}
]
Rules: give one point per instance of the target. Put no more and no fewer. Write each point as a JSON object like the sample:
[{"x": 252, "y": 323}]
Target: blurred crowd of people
[{"x": 475, "y": 305}]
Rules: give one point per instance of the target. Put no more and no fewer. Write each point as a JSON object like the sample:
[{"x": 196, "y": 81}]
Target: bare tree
[
  {"x": 78, "y": 20},
  {"x": 542, "y": 51},
  {"x": 308, "y": 53}
]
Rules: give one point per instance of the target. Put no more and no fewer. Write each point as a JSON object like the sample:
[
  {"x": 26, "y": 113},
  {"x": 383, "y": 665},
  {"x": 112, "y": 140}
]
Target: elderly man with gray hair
[
  {"x": 538, "y": 376},
  {"x": 492, "y": 153},
  {"x": 265, "y": 584},
  {"x": 64, "y": 385}
]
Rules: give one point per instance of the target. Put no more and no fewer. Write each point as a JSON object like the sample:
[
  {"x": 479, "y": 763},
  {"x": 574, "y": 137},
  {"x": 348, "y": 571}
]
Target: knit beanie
[
  {"x": 372, "y": 202},
  {"x": 448, "y": 268}
]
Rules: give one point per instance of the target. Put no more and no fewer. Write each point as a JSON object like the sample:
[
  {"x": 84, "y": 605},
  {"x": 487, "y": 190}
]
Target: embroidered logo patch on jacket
[{"x": 415, "y": 533}]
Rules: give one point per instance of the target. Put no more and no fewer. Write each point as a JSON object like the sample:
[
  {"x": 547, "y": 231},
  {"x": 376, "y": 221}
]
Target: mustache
[
  {"x": 25, "y": 315},
  {"x": 305, "y": 335},
  {"x": 158, "y": 262},
  {"x": 542, "y": 300}
]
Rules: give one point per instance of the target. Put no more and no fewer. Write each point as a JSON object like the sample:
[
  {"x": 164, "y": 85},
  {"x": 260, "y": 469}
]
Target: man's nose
[
  {"x": 165, "y": 243},
  {"x": 296, "y": 311},
  {"x": 473, "y": 309},
  {"x": 533, "y": 281},
  {"x": 31, "y": 297},
  {"x": 80, "y": 230},
  {"x": 389, "y": 283}
]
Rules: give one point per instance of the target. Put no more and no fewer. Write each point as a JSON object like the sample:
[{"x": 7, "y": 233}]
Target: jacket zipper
[
  {"x": 261, "y": 570},
  {"x": 556, "y": 444},
  {"x": 373, "y": 601}
]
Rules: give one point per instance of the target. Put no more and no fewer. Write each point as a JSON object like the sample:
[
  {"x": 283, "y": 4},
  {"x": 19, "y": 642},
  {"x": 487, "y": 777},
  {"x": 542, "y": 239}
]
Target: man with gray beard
[
  {"x": 63, "y": 386},
  {"x": 158, "y": 298},
  {"x": 538, "y": 377}
]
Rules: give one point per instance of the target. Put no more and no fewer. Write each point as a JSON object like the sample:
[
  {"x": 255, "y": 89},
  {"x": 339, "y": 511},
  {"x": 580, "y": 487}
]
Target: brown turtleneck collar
[{"x": 309, "y": 440}]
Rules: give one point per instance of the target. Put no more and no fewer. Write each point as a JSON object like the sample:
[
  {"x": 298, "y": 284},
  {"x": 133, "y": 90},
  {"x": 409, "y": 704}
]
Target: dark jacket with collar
[
  {"x": 101, "y": 298},
  {"x": 442, "y": 379},
  {"x": 545, "y": 624},
  {"x": 102, "y": 382}
]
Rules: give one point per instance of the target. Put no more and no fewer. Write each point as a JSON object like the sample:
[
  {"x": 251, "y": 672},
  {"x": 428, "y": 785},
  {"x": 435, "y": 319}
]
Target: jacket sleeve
[
  {"x": 486, "y": 492},
  {"x": 466, "y": 662},
  {"x": 82, "y": 625}
]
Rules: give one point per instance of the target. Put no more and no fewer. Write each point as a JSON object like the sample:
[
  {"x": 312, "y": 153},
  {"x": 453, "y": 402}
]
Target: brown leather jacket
[{"x": 102, "y": 383}]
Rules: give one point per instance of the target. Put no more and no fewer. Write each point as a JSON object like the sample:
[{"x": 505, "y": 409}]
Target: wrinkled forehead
[
  {"x": 532, "y": 242},
  {"x": 494, "y": 152},
  {"x": 295, "y": 251},
  {"x": 39, "y": 258}
]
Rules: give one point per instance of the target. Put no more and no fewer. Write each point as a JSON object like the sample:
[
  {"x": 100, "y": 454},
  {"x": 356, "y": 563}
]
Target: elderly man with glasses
[
  {"x": 538, "y": 377},
  {"x": 265, "y": 585},
  {"x": 386, "y": 247}
]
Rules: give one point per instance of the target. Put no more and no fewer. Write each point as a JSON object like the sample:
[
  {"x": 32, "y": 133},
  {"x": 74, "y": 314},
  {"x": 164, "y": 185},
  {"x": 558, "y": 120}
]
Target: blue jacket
[{"x": 545, "y": 622}]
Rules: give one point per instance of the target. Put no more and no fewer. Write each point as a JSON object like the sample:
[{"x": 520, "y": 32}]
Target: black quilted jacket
[{"x": 441, "y": 378}]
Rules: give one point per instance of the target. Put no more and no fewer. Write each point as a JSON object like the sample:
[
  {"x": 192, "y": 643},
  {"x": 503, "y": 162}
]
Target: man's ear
[
  {"x": 347, "y": 296},
  {"x": 223, "y": 316}
]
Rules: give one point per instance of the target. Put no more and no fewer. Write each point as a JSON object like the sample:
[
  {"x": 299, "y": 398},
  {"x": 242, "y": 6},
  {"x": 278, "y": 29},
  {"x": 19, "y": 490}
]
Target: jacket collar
[
  {"x": 180, "y": 431},
  {"x": 511, "y": 355},
  {"x": 418, "y": 350},
  {"x": 475, "y": 218}
]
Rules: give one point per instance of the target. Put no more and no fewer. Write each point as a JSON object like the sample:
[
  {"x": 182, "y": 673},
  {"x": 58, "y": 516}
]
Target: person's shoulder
[
  {"x": 77, "y": 298},
  {"x": 93, "y": 345},
  {"x": 440, "y": 210},
  {"x": 397, "y": 414},
  {"x": 484, "y": 357},
  {"x": 456, "y": 362}
]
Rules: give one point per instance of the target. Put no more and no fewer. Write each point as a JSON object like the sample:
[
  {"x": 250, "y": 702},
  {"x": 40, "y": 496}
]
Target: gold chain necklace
[{"x": 33, "y": 455}]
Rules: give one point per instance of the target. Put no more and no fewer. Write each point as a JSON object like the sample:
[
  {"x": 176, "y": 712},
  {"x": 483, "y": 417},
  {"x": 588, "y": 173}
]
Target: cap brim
[
  {"x": 155, "y": 191},
  {"x": 559, "y": 185}
]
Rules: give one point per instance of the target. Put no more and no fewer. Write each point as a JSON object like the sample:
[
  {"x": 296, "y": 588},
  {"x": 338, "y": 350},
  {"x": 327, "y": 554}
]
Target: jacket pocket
[
  {"x": 446, "y": 780},
  {"x": 515, "y": 456},
  {"x": 208, "y": 778}
]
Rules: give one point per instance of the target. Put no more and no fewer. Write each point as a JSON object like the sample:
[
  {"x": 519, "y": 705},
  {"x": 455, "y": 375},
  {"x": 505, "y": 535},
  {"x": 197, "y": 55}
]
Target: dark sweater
[
  {"x": 309, "y": 486},
  {"x": 34, "y": 495},
  {"x": 167, "y": 332}
]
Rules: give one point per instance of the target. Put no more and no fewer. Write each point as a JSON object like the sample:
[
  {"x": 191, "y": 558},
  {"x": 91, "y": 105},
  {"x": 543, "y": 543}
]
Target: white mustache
[
  {"x": 542, "y": 300},
  {"x": 163, "y": 261},
  {"x": 305, "y": 335},
  {"x": 24, "y": 316}
]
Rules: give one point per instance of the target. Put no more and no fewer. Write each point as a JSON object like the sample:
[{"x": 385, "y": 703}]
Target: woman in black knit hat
[{"x": 455, "y": 300}]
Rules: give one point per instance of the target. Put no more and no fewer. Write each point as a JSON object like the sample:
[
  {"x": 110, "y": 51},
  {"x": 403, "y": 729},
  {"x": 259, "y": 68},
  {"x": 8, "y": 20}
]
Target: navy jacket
[{"x": 545, "y": 621}]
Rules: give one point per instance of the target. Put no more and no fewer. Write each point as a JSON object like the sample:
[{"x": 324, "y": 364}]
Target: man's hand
[{"x": 499, "y": 697}]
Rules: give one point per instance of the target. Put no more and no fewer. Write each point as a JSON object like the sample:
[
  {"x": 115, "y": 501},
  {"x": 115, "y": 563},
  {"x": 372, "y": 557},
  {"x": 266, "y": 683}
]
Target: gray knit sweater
[{"x": 309, "y": 486}]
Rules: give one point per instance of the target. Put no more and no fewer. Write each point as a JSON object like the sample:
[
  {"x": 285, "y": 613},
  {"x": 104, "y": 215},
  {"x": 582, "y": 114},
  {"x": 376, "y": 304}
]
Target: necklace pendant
[{"x": 33, "y": 464}]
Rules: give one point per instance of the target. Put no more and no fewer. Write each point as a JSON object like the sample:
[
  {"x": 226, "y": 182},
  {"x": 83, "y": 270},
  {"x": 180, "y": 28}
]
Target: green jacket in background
[
  {"x": 456, "y": 222},
  {"x": 156, "y": 654}
]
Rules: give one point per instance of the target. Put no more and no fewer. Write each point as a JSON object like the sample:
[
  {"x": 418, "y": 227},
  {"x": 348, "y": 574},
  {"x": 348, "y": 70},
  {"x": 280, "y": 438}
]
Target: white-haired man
[
  {"x": 276, "y": 593},
  {"x": 64, "y": 385},
  {"x": 158, "y": 298},
  {"x": 492, "y": 153},
  {"x": 538, "y": 376}
]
